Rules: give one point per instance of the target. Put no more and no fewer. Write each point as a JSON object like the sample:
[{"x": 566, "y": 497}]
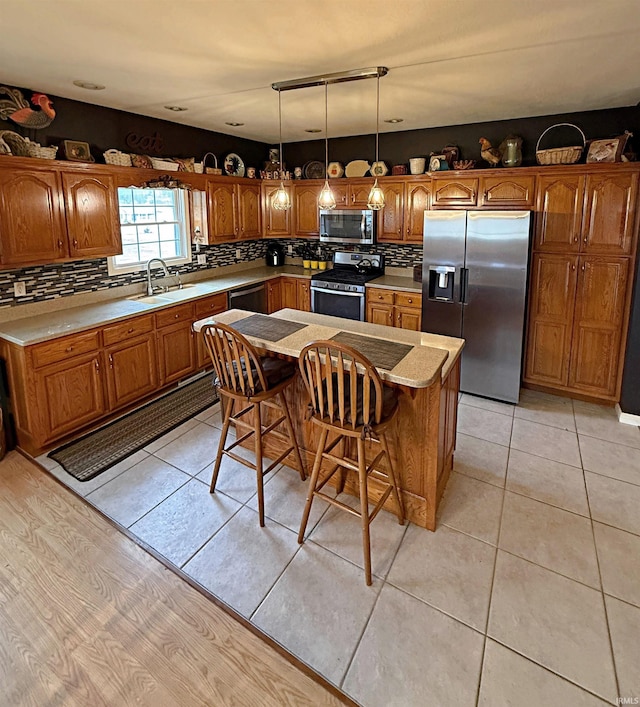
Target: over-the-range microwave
[{"x": 346, "y": 226}]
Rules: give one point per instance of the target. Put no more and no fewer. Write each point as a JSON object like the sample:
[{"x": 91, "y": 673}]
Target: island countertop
[{"x": 430, "y": 355}]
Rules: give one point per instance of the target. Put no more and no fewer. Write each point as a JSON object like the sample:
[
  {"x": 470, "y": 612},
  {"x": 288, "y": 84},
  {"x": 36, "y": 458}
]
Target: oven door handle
[{"x": 338, "y": 292}]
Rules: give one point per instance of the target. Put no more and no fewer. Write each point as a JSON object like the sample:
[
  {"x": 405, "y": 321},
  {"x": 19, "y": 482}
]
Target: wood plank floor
[{"x": 89, "y": 618}]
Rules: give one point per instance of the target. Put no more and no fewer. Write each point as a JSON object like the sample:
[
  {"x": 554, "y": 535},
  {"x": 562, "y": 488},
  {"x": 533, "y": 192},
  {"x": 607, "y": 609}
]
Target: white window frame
[{"x": 185, "y": 242}]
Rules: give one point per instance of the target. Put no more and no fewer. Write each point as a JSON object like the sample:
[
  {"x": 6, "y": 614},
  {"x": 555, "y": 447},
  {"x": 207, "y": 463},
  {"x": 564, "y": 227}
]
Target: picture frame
[
  {"x": 438, "y": 163},
  {"x": 76, "y": 151},
  {"x": 607, "y": 150}
]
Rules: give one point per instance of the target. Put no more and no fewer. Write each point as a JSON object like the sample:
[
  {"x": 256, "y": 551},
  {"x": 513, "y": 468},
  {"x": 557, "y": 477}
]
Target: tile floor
[{"x": 528, "y": 593}]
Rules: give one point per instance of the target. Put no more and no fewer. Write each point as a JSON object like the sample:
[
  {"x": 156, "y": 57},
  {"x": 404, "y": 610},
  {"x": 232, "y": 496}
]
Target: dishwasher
[{"x": 252, "y": 299}]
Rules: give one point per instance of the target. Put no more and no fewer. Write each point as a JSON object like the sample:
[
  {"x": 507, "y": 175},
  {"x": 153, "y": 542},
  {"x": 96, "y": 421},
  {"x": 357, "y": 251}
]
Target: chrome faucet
[{"x": 150, "y": 287}]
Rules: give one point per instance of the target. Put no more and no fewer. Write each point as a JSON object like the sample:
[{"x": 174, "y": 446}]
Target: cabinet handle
[
  {"x": 583, "y": 268},
  {"x": 176, "y": 316},
  {"x": 575, "y": 239},
  {"x": 573, "y": 267},
  {"x": 97, "y": 366},
  {"x": 110, "y": 361},
  {"x": 353, "y": 198},
  {"x": 75, "y": 242},
  {"x": 69, "y": 349},
  {"x": 60, "y": 244},
  {"x": 379, "y": 296},
  {"x": 399, "y": 317},
  {"x": 129, "y": 331},
  {"x": 268, "y": 227},
  {"x": 407, "y": 230},
  {"x": 586, "y": 240}
]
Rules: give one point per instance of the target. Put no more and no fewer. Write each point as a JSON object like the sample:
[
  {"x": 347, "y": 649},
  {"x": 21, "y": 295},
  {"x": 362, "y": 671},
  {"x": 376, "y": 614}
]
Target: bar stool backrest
[
  {"x": 235, "y": 361},
  {"x": 343, "y": 385}
]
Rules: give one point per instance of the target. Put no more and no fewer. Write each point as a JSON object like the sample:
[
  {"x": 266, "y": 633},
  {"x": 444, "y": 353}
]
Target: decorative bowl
[{"x": 464, "y": 164}]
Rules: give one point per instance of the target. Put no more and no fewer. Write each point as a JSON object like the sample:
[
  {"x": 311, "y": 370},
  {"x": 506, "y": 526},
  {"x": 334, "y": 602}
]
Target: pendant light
[
  {"x": 326, "y": 200},
  {"x": 281, "y": 200},
  {"x": 375, "y": 202}
]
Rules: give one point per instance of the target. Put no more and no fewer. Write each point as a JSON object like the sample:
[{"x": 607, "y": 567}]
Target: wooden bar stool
[
  {"x": 253, "y": 382},
  {"x": 348, "y": 397}
]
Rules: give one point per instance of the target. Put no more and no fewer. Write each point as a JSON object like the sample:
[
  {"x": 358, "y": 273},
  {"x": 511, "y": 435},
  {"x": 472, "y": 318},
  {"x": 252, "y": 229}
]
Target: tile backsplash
[{"x": 48, "y": 282}]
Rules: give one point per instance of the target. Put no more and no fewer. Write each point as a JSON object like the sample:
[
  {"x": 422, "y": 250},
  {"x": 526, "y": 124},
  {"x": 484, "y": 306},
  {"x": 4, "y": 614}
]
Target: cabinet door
[
  {"x": 600, "y": 309},
  {"x": 70, "y": 396},
  {"x": 132, "y": 372},
  {"x": 416, "y": 201},
  {"x": 223, "y": 224},
  {"x": 176, "y": 352},
  {"x": 449, "y": 191},
  {"x": 380, "y": 314},
  {"x": 359, "y": 193},
  {"x": 304, "y": 295},
  {"x": 408, "y": 318},
  {"x": 276, "y": 222},
  {"x": 609, "y": 213},
  {"x": 391, "y": 217},
  {"x": 289, "y": 292},
  {"x": 306, "y": 214},
  {"x": 341, "y": 192},
  {"x": 504, "y": 192},
  {"x": 93, "y": 222},
  {"x": 559, "y": 213},
  {"x": 551, "y": 308},
  {"x": 274, "y": 295},
  {"x": 249, "y": 211},
  {"x": 32, "y": 227}
]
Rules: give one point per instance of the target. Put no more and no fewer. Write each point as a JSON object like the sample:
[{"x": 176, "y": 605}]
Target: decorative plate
[
  {"x": 357, "y": 168},
  {"x": 313, "y": 170},
  {"x": 233, "y": 165},
  {"x": 335, "y": 169},
  {"x": 379, "y": 169}
]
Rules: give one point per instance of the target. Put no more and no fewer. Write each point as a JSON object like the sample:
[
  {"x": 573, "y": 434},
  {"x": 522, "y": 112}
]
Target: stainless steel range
[{"x": 340, "y": 292}]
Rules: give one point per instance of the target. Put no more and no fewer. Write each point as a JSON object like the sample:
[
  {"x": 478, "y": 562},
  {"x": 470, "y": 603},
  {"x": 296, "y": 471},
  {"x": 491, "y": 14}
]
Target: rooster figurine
[
  {"x": 16, "y": 109},
  {"x": 488, "y": 153}
]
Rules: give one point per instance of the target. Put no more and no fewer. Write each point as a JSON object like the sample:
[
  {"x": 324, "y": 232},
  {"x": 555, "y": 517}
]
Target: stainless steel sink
[
  {"x": 150, "y": 299},
  {"x": 165, "y": 297}
]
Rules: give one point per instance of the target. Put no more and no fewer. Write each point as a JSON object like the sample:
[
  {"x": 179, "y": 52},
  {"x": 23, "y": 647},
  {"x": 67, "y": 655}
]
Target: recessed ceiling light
[
  {"x": 89, "y": 85},
  {"x": 234, "y": 125},
  {"x": 394, "y": 120},
  {"x": 176, "y": 109},
  {"x": 313, "y": 130}
]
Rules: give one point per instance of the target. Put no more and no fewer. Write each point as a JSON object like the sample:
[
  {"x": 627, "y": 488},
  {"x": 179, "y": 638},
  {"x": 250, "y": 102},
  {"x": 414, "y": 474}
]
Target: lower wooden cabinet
[
  {"x": 394, "y": 308},
  {"x": 176, "y": 352},
  {"x": 576, "y": 323},
  {"x": 69, "y": 395},
  {"x": 274, "y": 295},
  {"x": 295, "y": 293},
  {"x": 131, "y": 370}
]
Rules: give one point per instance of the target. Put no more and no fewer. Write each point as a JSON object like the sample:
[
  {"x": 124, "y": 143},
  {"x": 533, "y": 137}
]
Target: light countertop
[
  {"x": 430, "y": 354},
  {"x": 49, "y": 320}
]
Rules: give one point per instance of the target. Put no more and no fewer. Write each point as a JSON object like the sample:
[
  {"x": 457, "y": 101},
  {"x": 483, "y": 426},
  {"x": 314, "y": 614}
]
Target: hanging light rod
[{"x": 372, "y": 72}]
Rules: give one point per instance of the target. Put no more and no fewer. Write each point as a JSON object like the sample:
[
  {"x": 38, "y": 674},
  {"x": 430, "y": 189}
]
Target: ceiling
[{"x": 450, "y": 61}]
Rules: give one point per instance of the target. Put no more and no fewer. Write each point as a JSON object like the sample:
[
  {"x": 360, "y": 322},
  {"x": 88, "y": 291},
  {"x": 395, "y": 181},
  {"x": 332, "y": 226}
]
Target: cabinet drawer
[
  {"x": 127, "y": 330},
  {"x": 182, "y": 313},
  {"x": 408, "y": 299},
  {"x": 61, "y": 349},
  {"x": 380, "y": 296},
  {"x": 211, "y": 305}
]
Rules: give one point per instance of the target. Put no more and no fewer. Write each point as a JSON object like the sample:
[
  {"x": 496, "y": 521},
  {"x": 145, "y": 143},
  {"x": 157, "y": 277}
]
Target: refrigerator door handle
[{"x": 464, "y": 285}]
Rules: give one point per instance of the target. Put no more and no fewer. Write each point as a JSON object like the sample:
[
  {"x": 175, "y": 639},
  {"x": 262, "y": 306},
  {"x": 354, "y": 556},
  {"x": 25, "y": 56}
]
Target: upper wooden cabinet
[
  {"x": 590, "y": 214},
  {"x": 391, "y": 217},
  {"x": 402, "y": 218},
  {"x": 92, "y": 215},
  {"x": 609, "y": 213},
  {"x": 249, "y": 211},
  {"x": 32, "y": 224},
  {"x": 223, "y": 217},
  {"x": 305, "y": 209},
  {"x": 449, "y": 192},
  {"x": 507, "y": 192},
  {"x": 277, "y": 223},
  {"x": 417, "y": 199},
  {"x": 559, "y": 212}
]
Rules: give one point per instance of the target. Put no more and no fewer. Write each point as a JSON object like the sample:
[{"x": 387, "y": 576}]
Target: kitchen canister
[{"x": 417, "y": 165}]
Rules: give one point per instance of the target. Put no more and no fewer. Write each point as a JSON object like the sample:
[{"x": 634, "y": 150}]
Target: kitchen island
[{"x": 422, "y": 436}]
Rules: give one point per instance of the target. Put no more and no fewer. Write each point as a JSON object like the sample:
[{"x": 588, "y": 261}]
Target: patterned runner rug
[{"x": 97, "y": 451}]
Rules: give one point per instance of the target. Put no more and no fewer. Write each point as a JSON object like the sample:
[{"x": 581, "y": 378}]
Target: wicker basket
[
  {"x": 120, "y": 159},
  {"x": 211, "y": 170},
  {"x": 167, "y": 165},
  {"x": 560, "y": 155},
  {"x": 35, "y": 149}
]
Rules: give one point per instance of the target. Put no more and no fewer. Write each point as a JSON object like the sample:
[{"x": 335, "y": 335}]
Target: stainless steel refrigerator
[{"x": 474, "y": 283}]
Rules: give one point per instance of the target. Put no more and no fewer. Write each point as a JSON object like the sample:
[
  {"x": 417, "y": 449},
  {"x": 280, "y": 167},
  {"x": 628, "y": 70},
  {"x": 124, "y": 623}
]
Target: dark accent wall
[
  {"x": 106, "y": 128},
  {"x": 630, "y": 395},
  {"x": 397, "y": 147}
]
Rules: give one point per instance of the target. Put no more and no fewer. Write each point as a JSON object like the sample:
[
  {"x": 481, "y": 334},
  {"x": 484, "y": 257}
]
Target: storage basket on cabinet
[{"x": 560, "y": 155}]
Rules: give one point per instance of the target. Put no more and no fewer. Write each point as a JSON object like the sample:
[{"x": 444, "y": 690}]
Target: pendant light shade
[
  {"x": 326, "y": 200},
  {"x": 281, "y": 200},
  {"x": 375, "y": 202}
]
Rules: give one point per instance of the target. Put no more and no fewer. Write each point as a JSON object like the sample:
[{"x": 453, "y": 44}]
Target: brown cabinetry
[
  {"x": 277, "y": 223},
  {"x": 206, "y": 307},
  {"x": 131, "y": 371},
  {"x": 176, "y": 349},
  {"x": 223, "y": 220},
  {"x": 402, "y": 218},
  {"x": 249, "y": 211},
  {"x": 295, "y": 293},
  {"x": 507, "y": 192},
  {"x": 580, "y": 281},
  {"x": 306, "y": 213},
  {"x": 274, "y": 295},
  {"x": 394, "y": 308},
  {"x": 448, "y": 192}
]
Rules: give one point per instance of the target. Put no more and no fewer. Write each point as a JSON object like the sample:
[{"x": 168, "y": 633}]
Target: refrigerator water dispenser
[{"x": 441, "y": 281}]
